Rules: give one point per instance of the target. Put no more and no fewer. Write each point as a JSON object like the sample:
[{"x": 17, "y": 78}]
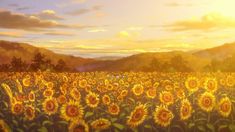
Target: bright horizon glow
[{"x": 96, "y": 28}]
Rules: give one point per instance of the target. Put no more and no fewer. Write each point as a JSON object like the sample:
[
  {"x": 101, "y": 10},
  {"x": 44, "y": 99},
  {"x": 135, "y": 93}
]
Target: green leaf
[
  {"x": 222, "y": 127},
  {"x": 6, "y": 104},
  {"x": 201, "y": 128},
  {"x": 232, "y": 127},
  {"x": 190, "y": 125},
  {"x": 15, "y": 122},
  {"x": 122, "y": 115},
  {"x": 47, "y": 122},
  {"x": 33, "y": 124},
  {"x": 113, "y": 119},
  {"x": 42, "y": 129},
  {"x": 19, "y": 130},
  {"x": 63, "y": 122},
  {"x": 119, "y": 126},
  {"x": 148, "y": 126},
  {"x": 211, "y": 127},
  {"x": 88, "y": 114}
]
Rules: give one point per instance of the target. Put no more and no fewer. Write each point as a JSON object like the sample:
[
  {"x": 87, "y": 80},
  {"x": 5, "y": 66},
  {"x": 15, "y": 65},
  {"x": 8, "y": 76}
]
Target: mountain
[
  {"x": 103, "y": 58},
  {"x": 219, "y": 53},
  {"x": 140, "y": 61},
  {"x": 27, "y": 52}
]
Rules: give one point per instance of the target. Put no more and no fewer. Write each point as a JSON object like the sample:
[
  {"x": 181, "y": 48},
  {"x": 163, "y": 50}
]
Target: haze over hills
[
  {"x": 139, "y": 62},
  {"x": 26, "y": 52},
  {"x": 220, "y": 52}
]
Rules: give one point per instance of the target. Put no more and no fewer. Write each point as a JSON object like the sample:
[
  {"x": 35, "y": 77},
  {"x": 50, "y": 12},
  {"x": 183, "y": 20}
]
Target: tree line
[
  {"x": 38, "y": 63},
  {"x": 176, "y": 64}
]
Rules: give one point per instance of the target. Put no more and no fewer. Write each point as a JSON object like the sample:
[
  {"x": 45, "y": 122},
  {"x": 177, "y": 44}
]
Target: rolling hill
[
  {"x": 140, "y": 61},
  {"x": 26, "y": 52},
  {"x": 219, "y": 53},
  {"x": 195, "y": 61}
]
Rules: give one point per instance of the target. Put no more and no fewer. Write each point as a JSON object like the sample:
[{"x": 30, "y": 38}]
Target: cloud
[
  {"x": 13, "y": 5},
  {"x": 49, "y": 15},
  {"x": 128, "y": 34},
  {"x": 176, "y": 4},
  {"x": 97, "y": 30},
  {"x": 21, "y": 21},
  {"x": 11, "y": 34},
  {"x": 59, "y": 34},
  {"x": 23, "y": 8},
  {"x": 79, "y": 1},
  {"x": 207, "y": 22},
  {"x": 123, "y": 34},
  {"x": 85, "y": 10}
]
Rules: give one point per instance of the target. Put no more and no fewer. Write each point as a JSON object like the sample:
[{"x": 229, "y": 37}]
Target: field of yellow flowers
[{"x": 124, "y": 101}]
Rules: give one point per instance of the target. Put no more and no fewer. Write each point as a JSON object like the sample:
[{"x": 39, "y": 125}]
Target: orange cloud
[
  {"x": 25, "y": 22},
  {"x": 11, "y": 34},
  {"x": 206, "y": 22},
  {"x": 49, "y": 14},
  {"x": 59, "y": 34}
]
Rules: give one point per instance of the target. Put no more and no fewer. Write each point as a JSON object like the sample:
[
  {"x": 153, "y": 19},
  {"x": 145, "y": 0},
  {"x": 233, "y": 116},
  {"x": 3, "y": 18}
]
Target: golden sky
[{"x": 93, "y": 28}]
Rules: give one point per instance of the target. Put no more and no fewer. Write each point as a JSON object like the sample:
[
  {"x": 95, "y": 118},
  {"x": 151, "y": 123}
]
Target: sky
[{"x": 97, "y": 28}]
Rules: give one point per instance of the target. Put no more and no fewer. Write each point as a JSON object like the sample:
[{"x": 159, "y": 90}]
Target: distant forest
[
  {"x": 176, "y": 64},
  {"x": 39, "y": 63}
]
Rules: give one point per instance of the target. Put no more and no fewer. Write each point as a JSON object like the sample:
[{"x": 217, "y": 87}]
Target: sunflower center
[
  {"x": 79, "y": 128},
  {"x": 72, "y": 111},
  {"x": 50, "y": 105}
]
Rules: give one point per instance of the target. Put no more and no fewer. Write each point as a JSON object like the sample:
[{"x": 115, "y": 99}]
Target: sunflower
[
  {"x": 156, "y": 84},
  {"x": 138, "y": 89},
  {"x": 225, "y": 107},
  {"x": 230, "y": 81},
  {"x": 48, "y": 93},
  {"x": 166, "y": 97},
  {"x": 211, "y": 84},
  {"x": 61, "y": 99},
  {"x": 50, "y": 106},
  {"x": 206, "y": 101},
  {"x": 120, "y": 98},
  {"x": 163, "y": 116},
  {"x": 82, "y": 83},
  {"x": 4, "y": 127},
  {"x": 79, "y": 126},
  {"x": 17, "y": 108},
  {"x": 92, "y": 100},
  {"x": 137, "y": 116},
  {"x": 75, "y": 94},
  {"x": 180, "y": 93},
  {"x": 185, "y": 109},
  {"x": 124, "y": 93},
  {"x": 109, "y": 87},
  {"x": 100, "y": 124},
  {"x": 26, "y": 82},
  {"x": 151, "y": 93},
  {"x": 72, "y": 111},
  {"x": 7, "y": 90},
  {"x": 113, "y": 109},
  {"x": 29, "y": 112},
  {"x": 50, "y": 85},
  {"x": 31, "y": 96},
  {"x": 106, "y": 99},
  {"x": 192, "y": 84}
]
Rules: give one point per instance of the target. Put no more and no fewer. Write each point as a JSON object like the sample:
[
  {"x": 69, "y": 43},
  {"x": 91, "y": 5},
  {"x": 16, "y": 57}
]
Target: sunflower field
[{"x": 117, "y": 101}]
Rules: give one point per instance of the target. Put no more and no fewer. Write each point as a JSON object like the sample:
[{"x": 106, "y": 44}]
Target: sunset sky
[{"x": 94, "y": 28}]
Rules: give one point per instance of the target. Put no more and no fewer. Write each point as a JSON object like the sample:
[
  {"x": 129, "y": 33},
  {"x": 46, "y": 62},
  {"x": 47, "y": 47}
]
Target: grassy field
[{"x": 124, "y": 101}]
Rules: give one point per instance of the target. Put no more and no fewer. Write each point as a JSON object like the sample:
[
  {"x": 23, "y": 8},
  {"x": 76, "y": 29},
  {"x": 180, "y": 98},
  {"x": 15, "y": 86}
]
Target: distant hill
[
  {"x": 103, "y": 58},
  {"x": 26, "y": 52},
  {"x": 139, "y": 62},
  {"x": 219, "y": 53}
]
